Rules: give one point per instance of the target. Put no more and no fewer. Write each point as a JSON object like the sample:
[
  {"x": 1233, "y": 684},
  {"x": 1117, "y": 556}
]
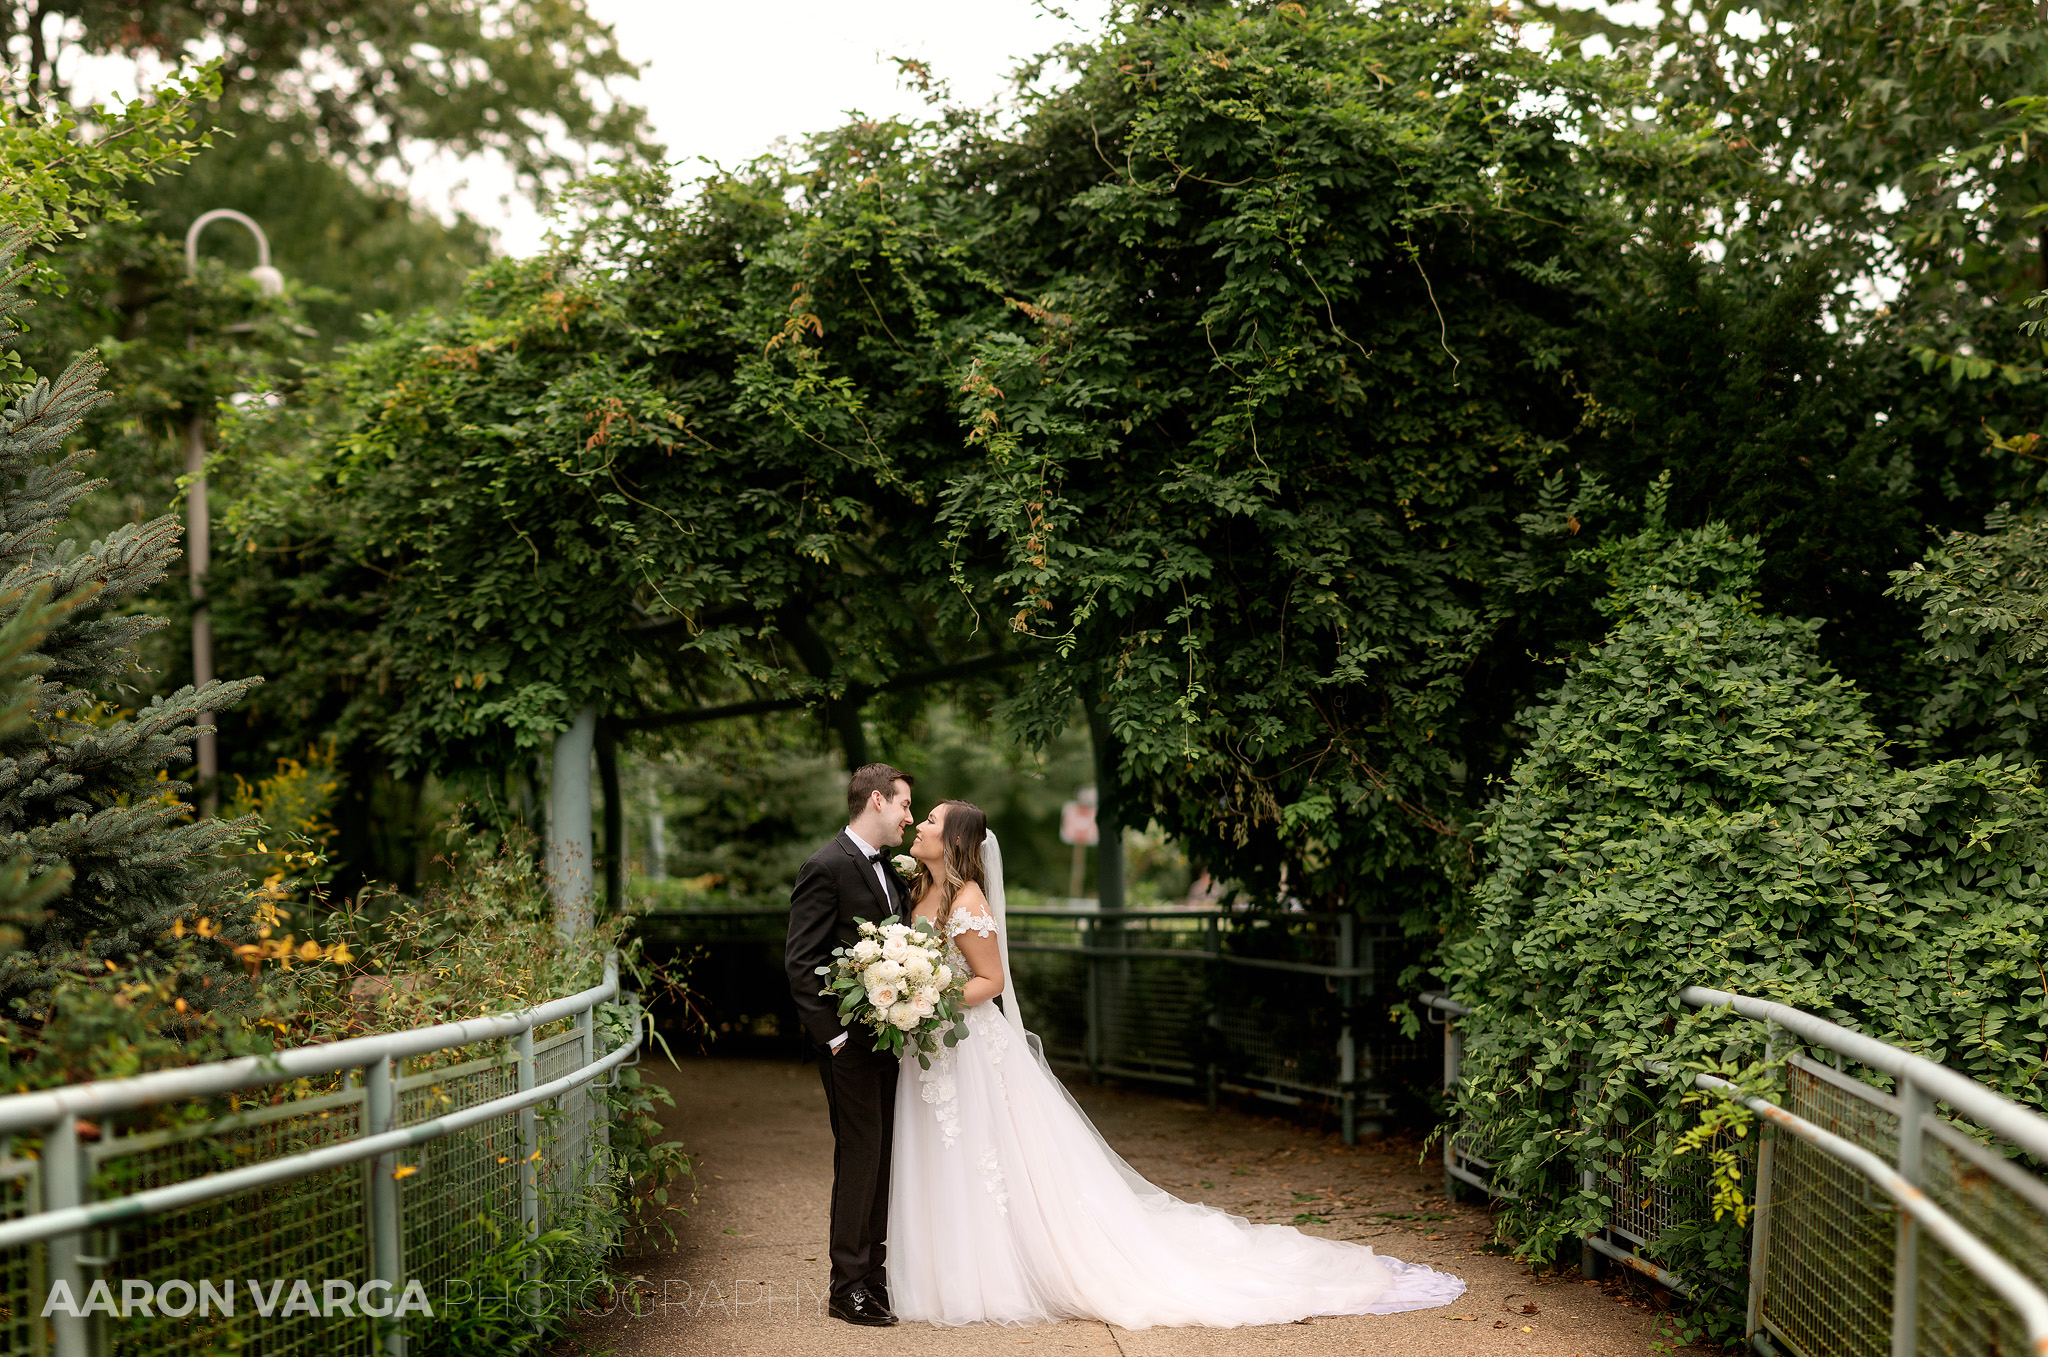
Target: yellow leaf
[{"x": 404, "y": 1171}]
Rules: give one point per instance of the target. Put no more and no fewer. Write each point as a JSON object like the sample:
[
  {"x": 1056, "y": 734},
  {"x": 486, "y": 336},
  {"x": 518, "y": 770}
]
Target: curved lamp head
[{"x": 267, "y": 278}]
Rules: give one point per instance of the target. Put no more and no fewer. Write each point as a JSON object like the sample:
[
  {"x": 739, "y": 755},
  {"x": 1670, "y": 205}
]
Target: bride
[{"x": 1007, "y": 1206}]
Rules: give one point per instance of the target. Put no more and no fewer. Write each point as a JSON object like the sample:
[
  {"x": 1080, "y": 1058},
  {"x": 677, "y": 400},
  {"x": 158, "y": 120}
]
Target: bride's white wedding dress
[{"x": 1007, "y": 1206}]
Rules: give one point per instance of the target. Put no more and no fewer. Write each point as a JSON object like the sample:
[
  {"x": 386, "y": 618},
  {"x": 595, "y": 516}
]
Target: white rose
[
  {"x": 883, "y": 997},
  {"x": 866, "y": 952},
  {"x": 896, "y": 930},
  {"x": 924, "y": 1005},
  {"x": 904, "y": 1016},
  {"x": 905, "y": 863},
  {"x": 943, "y": 976},
  {"x": 896, "y": 950}
]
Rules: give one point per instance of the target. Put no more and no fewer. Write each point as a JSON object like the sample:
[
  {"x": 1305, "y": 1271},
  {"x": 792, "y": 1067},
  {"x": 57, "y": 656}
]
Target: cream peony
[
  {"x": 896, "y": 949},
  {"x": 943, "y": 976},
  {"x": 880, "y": 974},
  {"x": 882, "y": 997}
]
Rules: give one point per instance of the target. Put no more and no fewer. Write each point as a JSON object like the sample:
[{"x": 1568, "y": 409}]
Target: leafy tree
[
  {"x": 1216, "y": 388},
  {"x": 1874, "y": 168},
  {"x": 1704, "y": 800},
  {"x": 309, "y": 104},
  {"x": 1984, "y": 620},
  {"x": 83, "y": 788},
  {"x": 365, "y": 82}
]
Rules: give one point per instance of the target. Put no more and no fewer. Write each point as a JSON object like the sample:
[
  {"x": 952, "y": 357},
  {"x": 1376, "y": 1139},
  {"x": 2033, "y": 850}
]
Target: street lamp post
[{"x": 198, "y": 535}]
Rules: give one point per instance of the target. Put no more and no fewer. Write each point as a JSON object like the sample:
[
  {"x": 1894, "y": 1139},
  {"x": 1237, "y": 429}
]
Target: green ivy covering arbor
[{"x": 1703, "y": 800}]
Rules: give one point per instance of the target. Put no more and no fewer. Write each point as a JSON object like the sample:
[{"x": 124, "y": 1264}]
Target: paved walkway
[{"x": 748, "y": 1278}]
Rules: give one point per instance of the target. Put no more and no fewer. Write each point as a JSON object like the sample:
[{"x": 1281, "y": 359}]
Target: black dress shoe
[
  {"x": 858, "y": 1307},
  {"x": 881, "y": 1295}
]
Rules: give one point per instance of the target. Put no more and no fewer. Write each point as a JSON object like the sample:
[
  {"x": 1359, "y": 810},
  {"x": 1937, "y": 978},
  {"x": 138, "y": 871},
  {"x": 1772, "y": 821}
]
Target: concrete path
[{"x": 748, "y": 1279}]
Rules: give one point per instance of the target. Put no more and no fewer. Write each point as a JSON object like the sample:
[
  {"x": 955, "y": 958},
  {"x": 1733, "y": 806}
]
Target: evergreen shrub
[{"x": 1703, "y": 801}]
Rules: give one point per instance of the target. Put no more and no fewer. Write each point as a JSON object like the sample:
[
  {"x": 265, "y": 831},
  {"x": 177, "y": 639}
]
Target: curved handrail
[
  {"x": 2019, "y": 1124},
  {"x": 26, "y": 1111},
  {"x": 72, "y": 1219}
]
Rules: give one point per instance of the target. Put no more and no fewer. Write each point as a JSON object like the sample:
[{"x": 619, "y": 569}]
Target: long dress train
[{"x": 1007, "y": 1206}]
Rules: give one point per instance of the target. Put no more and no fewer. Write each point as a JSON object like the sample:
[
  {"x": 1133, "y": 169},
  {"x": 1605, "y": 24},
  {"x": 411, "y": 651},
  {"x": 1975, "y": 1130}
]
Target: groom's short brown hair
[{"x": 870, "y": 778}]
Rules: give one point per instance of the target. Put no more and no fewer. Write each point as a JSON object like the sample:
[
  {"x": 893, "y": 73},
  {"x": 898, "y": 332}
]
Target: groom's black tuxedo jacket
[{"x": 834, "y": 891}]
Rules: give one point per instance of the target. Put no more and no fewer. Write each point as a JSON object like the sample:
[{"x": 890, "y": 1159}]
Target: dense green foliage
[
  {"x": 83, "y": 788},
  {"x": 1704, "y": 801},
  {"x": 1214, "y": 387},
  {"x": 304, "y": 118},
  {"x": 1984, "y": 620}
]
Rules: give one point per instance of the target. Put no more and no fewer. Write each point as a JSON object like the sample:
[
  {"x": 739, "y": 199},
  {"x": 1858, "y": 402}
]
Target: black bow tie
[{"x": 874, "y": 859}]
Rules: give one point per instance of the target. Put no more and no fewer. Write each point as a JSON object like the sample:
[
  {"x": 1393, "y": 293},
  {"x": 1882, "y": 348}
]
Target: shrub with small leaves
[{"x": 1705, "y": 802}]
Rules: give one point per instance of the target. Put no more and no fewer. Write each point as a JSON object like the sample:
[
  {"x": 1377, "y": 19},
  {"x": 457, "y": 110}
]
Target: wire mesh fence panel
[
  {"x": 269, "y": 1249},
  {"x": 2005, "y": 1205},
  {"x": 1150, "y": 1012},
  {"x": 1219, "y": 999},
  {"x": 1827, "y": 1287},
  {"x": 465, "y": 1186},
  {"x": 2007, "y": 1208},
  {"x": 22, "y": 1283},
  {"x": 1959, "y": 1316},
  {"x": 1057, "y": 985},
  {"x": 571, "y": 1157},
  {"x": 1647, "y": 1207},
  {"x": 1270, "y": 1036}
]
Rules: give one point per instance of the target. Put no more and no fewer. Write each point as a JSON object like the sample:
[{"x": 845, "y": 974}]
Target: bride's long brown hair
[{"x": 961, "y": 834}]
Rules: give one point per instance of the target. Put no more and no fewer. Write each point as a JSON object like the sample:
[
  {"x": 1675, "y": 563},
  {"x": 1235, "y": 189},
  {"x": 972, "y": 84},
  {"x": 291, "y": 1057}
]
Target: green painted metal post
[
  {"x": 64, "y": 1186},
  {"x": 529, "y": 1142},
  {"x": 387, "y": 1239},
  {"x": 1914, "y": 1107},
  {"x": 1347, "y": 1048}
]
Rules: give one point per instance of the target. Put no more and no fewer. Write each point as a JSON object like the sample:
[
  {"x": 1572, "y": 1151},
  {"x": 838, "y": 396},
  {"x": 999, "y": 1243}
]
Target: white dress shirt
[
  {"x": 881, "y": 879},
  {"x": 881, "y": 872}
]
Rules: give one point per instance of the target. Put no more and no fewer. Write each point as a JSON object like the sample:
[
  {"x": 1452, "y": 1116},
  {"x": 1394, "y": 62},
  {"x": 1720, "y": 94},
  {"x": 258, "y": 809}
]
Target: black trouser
[{"x": 860, "y": 1093}]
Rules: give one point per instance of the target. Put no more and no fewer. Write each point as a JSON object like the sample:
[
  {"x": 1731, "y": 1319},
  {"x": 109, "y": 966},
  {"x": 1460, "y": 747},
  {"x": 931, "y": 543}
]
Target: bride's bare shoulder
[{"x": 970, "y": 911}]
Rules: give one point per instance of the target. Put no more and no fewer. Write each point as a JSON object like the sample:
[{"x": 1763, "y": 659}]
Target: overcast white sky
[{"x": 724, "y": 81}]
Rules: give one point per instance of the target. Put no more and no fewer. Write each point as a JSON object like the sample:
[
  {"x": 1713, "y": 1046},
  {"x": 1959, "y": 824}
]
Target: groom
[{"x": 848, "y": 880}]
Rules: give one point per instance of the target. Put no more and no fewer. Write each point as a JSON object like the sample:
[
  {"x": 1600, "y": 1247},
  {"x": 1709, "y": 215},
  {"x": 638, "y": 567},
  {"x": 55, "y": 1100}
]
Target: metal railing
[
  {"x": 1880, "y": 1225},
  {"x": 322, "y": 1163},
  {"x": 1267, "y": 1004},
  {"x": 1221, "y": 1000}
]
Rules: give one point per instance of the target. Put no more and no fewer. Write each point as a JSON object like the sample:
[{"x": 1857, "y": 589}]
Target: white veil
[{"x": 992, "y": 884}]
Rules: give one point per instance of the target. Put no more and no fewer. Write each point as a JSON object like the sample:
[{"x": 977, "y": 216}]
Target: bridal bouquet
[{"x": 894, "y": 981}]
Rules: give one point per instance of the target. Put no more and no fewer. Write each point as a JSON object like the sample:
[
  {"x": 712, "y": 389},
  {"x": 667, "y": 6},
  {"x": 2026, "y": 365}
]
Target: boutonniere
[{"x": 904, "y": 864}]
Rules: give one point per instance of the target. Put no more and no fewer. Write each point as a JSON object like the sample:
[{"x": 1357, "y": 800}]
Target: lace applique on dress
[
  {"x": 997, "y": 1038},
  {"x": 982, "y": 924},
  {"x": 937, "y": 1088},
  {"x": 992, "y": 1179}
]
